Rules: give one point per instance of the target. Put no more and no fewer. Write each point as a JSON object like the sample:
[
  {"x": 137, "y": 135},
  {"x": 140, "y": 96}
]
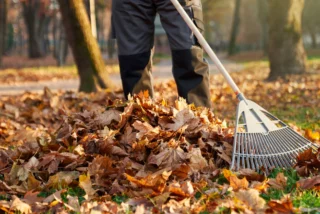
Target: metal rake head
[{"x": 262, "y": 140}]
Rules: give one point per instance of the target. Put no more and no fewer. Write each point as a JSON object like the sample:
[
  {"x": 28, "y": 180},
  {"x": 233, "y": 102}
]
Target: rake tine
[
  {"x": 287, "y": 145},
  {"x": 259, "y": 150},
  {"x": 300, "y": 138},
  {"x": 239, "y": 137},
  {"x": 278, "y": 148},
  {"x": 247, "y": 152},
  {"x": 295, "y": 143},
  {"x": 268, "y": 149},
  {"x": 242, "y": 150},
  {"x": 274, "y": 159},
  {"x": 286, "y": 142},
  {"x": 283, "y": 150},
  {"x": 263, "y": 151},
  {"x": 254, "y": 146},
  {"x": 251, "y": 151}
]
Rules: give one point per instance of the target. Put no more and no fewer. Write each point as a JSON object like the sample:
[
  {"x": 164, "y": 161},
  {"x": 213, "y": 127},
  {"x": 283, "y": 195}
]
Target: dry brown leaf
[
  {"x": 33, "y": 183},
  {"x": 251, "y": 175},
  {"x": 183, "y": 190},
  {"x": 197, "y": 161},
  {"x": 181, "y": 118},
  {"x": 19, "y": 205},
  {"x": 107, "y": 117},
  {"x": 174, "y": 206},
  {"x": 308, "y": 162},
  {"x": 238, "y": 184},
  {"x": 181, "y": 171},
  {"x": 283, "y": 206},
  {"x": 32, "y": 197},
  {"x": 168, "y": 157},
  {"x": 280, "y": 182},
  {"x": 260, "y": 186},
  {"x": 155, "y": 182},
  {"x": 85, "y": 183},
  {"x": 251, "y": 198},
  {"x": 309, "y": 183},
  {"x": 145, "y": 130},
  {"x": 62, "y": 179}
]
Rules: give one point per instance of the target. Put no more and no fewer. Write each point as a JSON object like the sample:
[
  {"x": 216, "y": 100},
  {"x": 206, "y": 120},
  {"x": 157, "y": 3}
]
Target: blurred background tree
[
  {"x": 235, "y": 28},
  {"x": 37, "y": 18},
  {"x": 311, "y": 21},
  {"x": 286, "y": 51},
  {"x": 84, "y": 47},
  {"x": 3, "y": 27}
]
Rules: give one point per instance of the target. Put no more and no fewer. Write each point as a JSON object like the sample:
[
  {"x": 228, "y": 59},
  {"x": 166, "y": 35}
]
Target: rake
[{"x": 261, "y": 139}]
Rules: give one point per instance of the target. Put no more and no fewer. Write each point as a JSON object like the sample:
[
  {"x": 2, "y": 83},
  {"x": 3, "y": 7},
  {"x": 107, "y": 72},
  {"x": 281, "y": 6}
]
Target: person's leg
[
  {"x": 133, "y": 25},
  {"x": 190, "y": 70}
]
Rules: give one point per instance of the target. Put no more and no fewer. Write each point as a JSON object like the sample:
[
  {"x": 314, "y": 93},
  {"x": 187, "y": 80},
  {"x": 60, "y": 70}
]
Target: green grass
[
  {"x": 307, "y": 199},
  {"x": 161, "y": 56},
  {"x": 275, "y": 194},
  {"x": 304, "y": 117}
]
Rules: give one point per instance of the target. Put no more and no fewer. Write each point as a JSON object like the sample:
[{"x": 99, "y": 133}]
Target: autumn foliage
[{"x": 74, "y": 152}]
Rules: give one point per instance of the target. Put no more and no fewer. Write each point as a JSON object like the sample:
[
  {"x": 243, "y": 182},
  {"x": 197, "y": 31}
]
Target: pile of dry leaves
[{"x": 73, "y": 152}]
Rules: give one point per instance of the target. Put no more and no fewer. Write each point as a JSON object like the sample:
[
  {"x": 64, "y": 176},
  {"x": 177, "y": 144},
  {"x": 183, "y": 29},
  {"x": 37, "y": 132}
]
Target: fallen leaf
[
  {"x": 62, "y": 179},
  {"x": 238, "y": 184},
  {"x": 251, "y": 175},
  {"x": 283, "y": 206},
  {"x": 197, "y": 161},
  {"x": 280, "y": 182},
  {"x": 145, "y": 130},
  {"x": 312, "y": 135},
  {"x": 155, "y": 182},
  {"x": 252, "y": 198},
  {"x": 308, "y": 183},
  {"x": 168, "y": 157},
  {"x": 180, "y": 119},
  {"x": 85, "y": 183},
  {"x": 19, "y": 205}
]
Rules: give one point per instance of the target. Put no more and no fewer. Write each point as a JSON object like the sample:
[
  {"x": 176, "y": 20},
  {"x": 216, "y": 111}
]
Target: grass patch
[
  {"x": 276, "y": 194},
  {"x": 304, "y": 117},
  {"x": 307, "y": 199},
  {"x": 161, "y": 56}
]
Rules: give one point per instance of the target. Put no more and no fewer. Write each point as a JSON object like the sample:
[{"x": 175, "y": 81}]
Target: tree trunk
[
  {"x": 93, "y": 18},
  {"x": 44, "y": 35},
  {"x": 286, "y": 51},
  {"x": 62, "y": 49},
  {"x": 3, "y": 27},
  {"x": 263, "y": 18},
  {"x": 60, "y": 43},
  {"x": 33, "y": 24},
  {"x": 235, "y": 28},
  {"x": 84, "y": 47}
]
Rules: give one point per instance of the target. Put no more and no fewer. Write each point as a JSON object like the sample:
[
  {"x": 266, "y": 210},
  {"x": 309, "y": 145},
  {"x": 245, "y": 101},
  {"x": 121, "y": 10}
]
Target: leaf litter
[{"x": 74, "y": 152}]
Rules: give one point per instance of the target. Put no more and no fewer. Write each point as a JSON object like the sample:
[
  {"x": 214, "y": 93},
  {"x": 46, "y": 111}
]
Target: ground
[{"x": 68, "y": 151}]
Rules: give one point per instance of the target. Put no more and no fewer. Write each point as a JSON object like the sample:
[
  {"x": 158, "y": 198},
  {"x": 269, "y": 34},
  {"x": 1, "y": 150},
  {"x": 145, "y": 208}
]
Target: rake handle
[{"x": 207, "y": 48}]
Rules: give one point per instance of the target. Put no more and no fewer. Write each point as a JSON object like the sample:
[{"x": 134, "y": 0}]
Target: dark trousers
[{"x": 133, "y": 25}]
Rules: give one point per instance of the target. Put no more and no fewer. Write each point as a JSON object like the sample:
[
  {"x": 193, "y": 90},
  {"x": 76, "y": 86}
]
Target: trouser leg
[
  {"x": 133, "y": 23},
  {"x": 135, "y": 71},
  {"x": 190, "y": 70}
]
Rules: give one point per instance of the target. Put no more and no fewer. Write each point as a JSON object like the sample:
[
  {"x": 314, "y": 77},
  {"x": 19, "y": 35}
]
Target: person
[{"x": 133, "y": 27}]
